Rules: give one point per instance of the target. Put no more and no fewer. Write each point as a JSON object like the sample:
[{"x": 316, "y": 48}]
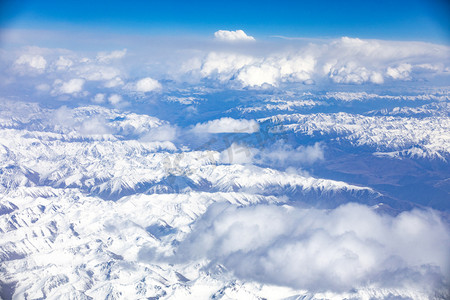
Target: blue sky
[{"x": 382, "y": 19}]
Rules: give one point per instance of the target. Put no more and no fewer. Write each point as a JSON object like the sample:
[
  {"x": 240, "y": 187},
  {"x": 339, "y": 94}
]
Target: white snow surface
[
  {"x": 86, "y": 207},
  {"x": 431, "y": 135}
]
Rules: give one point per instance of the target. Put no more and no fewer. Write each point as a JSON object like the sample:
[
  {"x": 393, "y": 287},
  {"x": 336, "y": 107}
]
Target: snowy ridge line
[
  {"x": 287, "y": 105},
  {"x": 308, "y": 100},
  {"x": 67, "y": 236},
  {"x": 40, "y": 135},
  {"x": 382, "y": 132},
  {"x": 109, "y": 168},
  {"x": 439, "y": 102},
  {"x": 66, "y": 232},
  {"x": 253, "y": 177},
  {"x": 91, "y": 122},
  {"x": 363, "y": 96},
  {"x": 433, "y": 109},
  {"x": 131, "y": 218}
]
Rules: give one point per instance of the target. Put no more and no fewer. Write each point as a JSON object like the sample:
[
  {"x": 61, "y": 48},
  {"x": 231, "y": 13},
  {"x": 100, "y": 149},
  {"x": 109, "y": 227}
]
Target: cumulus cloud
[
  {"x": 224, "y": 65},
  {"x": 97, "y": 72},
  {"x": 341, "y": 61},
  {"x": 376, "y": 78},
  {"x": 63, "y": 63},
  {"x": 117, "y": 81},
  {"x": 147, "y": 84},
  {"x": 72, "y": 86},
  {"x": 115, "y": 99},
  {"x": 354, "y": 74},
  {"x": 99, "y": 98},
  {"x": 225, "y": 125},
  {"x": 324, "y": 250},
  {"x": 232, "y": 36},
  {"x": 259, "y": 75},
  {"x": 276, "y": 69},
  {"x": 249, "y": 71},
  {"x": 402, "y": 72},
  {"x": 296, "y": 67},
  {"x": 335, "y": 61},
  {"x": 33, "y": 61}
]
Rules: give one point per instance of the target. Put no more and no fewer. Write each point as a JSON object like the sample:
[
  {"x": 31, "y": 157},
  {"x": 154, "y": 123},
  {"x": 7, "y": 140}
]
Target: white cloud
[
  {"x": 429, "y": 67},
  {"x": 113, "y": 82},
  {"x": 225, "y": 125},
  {"x": 275, "y": 69},
  {"x": 99, "y": 98},
  {"x": 251, "y": 71},
  {"x": 324, "y": 250},
  {"x": 354, "y": 74},
  {"x": 63, "y": 63},
  {"x": 43, "y": 87},
  {"x": 258, "y": 76},
  {"x": 72, "y": 86},
  {"x": 402, "y": 72},
  {"x": 68, "y": 120},
  {"x": 63, "y": 116},
  {"x": 338, "y": 61},
  {"x": 225, "y": 65},
  {"x": 160, "y": 134},
  {"x": 344, "y": 61},
  {"x": 147, "y": 84},
  {"x": 376, "y": 78},
  {"x": 37, "y": 62},
  {"x": 105, "y": 57},
  {"x": 281, "y": 153},
  {"x": 94, "y": 126},
  {"x": 297, "y": 67},
  {"x": 97, "y": 72},
  {"x": 237, "y": 154},
  {"x": 232, "y": 36},
  {"x": 115, "y": 99}
]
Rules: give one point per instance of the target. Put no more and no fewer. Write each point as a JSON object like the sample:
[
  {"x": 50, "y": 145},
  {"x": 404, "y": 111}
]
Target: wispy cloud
[
  {"x": 107, "y": 57},
  {"x": 237, "y": 154}
]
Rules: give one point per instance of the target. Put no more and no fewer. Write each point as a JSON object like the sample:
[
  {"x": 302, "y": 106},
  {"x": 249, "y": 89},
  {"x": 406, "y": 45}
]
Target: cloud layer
[
  {"x": 341, "y": 61},
  {"x": 319, "y": 250},
  {"x": 130, "y": 73}
]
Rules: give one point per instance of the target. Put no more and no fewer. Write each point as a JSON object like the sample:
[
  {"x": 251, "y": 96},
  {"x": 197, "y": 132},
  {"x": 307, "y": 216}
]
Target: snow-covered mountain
[
  {"x": 429, "y": 135},
  {"x": 103, "y": 203},
  {"x": 229, "y": 167}
]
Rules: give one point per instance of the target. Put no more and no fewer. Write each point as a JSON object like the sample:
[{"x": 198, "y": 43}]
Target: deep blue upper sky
[{"x": 426, "y": 20}]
